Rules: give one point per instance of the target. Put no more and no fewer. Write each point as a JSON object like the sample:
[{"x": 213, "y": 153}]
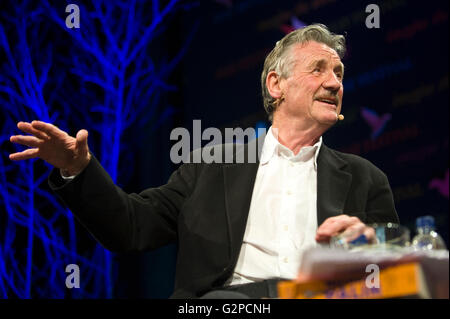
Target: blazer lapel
[
  {"x": 239, "y": 181},
  {"x": 333, "y": 184}
]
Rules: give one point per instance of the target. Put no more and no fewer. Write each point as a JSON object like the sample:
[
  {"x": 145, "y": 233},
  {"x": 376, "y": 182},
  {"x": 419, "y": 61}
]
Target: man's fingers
[
  {"x": 47, "y": 128},
  {"x": 353, "y": 232},
  {"x": 353, "y": 236},
  {"x": 29, "y": 141},
  {"x": 334, "y": 226},
  {"x": 27, "y": 154},
  {"x": 346, "y": 227},
  {"x": 27, "y": 128},
  {"x": 370, "y": 234}
]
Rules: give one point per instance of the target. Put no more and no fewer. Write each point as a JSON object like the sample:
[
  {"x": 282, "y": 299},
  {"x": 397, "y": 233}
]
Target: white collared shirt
[{"x": 282, "y": 220}]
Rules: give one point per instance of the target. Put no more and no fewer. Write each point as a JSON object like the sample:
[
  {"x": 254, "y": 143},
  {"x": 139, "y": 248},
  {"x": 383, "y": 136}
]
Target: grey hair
[{"x": 280, "y": 61}]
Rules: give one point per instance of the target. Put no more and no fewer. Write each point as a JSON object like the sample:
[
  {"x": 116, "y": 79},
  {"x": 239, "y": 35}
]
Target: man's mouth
[{"x": 331, "y": 101}]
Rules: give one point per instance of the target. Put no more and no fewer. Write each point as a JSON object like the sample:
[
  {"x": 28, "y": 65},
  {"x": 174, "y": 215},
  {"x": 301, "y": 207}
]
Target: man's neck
[{"x": 296, "y": 134}]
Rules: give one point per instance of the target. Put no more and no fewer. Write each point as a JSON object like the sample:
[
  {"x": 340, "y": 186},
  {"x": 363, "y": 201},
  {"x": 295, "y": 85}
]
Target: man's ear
[{"x": 273, "y": 84}]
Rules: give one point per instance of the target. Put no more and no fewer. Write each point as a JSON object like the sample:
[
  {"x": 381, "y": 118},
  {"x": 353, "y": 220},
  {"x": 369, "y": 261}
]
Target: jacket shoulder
[{"x": 357, "y": 162}]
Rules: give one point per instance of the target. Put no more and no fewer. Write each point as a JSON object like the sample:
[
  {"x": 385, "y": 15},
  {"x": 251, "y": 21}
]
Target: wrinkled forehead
[{"x": 308, "y": 52}]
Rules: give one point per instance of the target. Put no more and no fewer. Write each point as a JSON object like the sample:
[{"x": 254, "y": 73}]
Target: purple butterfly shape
[
  {"x": 295, "y": 24},
  {"x": 440, "y": 184},
  {"x": 377, "y": 123}
]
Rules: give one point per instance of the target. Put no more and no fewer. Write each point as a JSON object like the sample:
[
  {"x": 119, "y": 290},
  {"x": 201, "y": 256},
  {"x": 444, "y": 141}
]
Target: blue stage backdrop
[{"x": 134, "y": 70}]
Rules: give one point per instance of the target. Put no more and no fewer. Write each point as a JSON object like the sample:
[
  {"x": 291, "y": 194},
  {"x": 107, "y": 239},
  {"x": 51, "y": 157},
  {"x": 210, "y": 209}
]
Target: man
[{"x": 237, "y": 225}]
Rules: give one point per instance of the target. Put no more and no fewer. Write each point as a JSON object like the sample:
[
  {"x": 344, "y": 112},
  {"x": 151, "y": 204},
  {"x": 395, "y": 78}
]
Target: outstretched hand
[{"x": 70, "y": 154}]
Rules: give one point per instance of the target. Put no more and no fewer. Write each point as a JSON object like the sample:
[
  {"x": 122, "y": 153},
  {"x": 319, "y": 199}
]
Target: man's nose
[{"x": 332, "y": 82}]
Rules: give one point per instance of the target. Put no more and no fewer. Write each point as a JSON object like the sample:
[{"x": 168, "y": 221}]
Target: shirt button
[
  {"x": 286, "y": 227},
  {"x": 289, "y": 192},
  {"x": 291, "y": 164},
  {"x": 285, "y": 259}
]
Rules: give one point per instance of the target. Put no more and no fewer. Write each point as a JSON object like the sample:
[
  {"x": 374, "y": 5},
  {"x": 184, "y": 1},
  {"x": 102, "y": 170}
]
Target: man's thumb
[{"x": 82, "y": 144}]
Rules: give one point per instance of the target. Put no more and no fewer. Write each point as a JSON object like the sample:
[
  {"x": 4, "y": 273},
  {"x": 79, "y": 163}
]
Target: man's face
[{"x": 314, "y": 89}]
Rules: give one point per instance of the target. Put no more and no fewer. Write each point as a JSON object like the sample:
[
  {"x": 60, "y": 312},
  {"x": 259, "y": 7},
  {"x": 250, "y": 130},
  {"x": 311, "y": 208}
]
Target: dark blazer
[{"x": 204, "y": 209}]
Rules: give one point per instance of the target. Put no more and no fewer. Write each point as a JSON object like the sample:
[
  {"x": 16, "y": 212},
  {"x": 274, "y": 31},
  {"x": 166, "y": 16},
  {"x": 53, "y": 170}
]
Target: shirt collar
[{"x": 273, "y": 147}]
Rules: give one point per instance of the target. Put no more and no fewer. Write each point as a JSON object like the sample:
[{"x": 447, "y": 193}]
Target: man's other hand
[{"x": 349, "y": 226}]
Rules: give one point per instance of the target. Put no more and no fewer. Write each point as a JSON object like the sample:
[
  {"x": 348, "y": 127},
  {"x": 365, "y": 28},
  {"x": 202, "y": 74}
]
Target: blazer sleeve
[
  {"x": 380, "y": 205},
  {"x": 125, "y": 222}
]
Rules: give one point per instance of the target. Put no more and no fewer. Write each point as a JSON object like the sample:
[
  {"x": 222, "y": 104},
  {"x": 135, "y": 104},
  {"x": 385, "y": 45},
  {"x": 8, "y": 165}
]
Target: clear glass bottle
[{"x": 427, "y": 238}]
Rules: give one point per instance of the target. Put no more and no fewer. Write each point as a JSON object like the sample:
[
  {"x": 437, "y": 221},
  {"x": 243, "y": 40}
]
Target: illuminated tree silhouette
[{"x": 106, "y": 84}]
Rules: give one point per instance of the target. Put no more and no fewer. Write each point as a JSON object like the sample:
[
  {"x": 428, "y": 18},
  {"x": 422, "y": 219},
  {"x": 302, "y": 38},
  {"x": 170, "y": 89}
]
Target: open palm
[{"x": 71, "y": 154}]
